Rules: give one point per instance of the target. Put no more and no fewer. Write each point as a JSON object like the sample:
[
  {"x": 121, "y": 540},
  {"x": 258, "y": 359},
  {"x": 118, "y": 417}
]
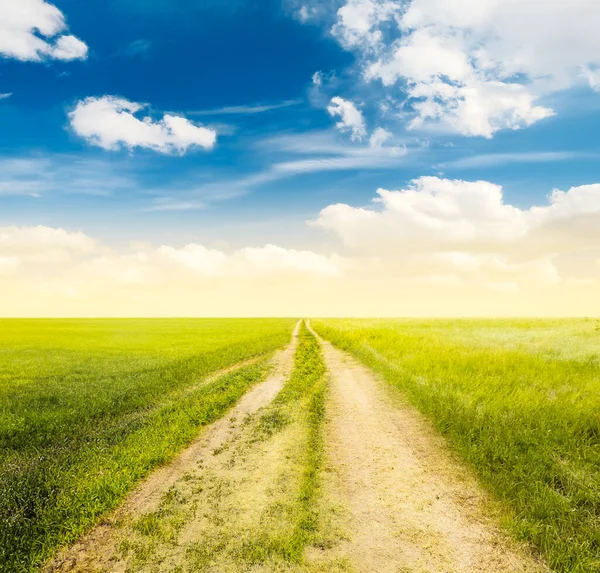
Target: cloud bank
[
  {"x": 436, "y": 247},
  {"x": 463, "y": 233},
  {"x": 43, "y": 269}
]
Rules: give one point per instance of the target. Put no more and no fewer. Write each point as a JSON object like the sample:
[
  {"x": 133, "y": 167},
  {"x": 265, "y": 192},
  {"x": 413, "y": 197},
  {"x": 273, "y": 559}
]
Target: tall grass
[
  {"x": 520, "y": 400},
  {"x": 87, "y": 408}
]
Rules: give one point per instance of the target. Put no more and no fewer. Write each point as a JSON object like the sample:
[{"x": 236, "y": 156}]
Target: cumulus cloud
[
  {"x": 351, "y": 118},
  {"x": 251, "y": 261},
  {"x": 465, "y": 231},
  {"x": 36, "y": 243},
  {"x": 445, "y": 212},
  {"x": 358, "y": 22},
  {"x": 472, "y": 66},
  {"x": 111, "y": 123},
  {"x": 433, "y": 254},
  {"x": 69, "y": 264},
  {"x": 33, "y": 30}
]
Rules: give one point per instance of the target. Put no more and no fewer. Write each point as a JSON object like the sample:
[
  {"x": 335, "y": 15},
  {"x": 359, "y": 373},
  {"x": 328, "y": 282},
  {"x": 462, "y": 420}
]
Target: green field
[
  {"x": 520, "y": 400},
  {"x": 88, "y": 407}
]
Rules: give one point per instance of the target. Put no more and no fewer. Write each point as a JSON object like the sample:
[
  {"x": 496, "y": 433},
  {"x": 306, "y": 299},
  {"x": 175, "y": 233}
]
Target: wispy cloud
[
  {"x": 5, "y": 96},
  {"x": 246, "y": 109},
  {"x": 323, "y": 151},
  {"x": 496, "y": 159},
  {"x": 298, "y": 154},
  {"x": 66, "y": 174},
  {"x": 386, "y": 160},
  {"x": 139, "y": 47},
  {"x": 195, "y": 198},
  {"x": 170, "y": 204}
]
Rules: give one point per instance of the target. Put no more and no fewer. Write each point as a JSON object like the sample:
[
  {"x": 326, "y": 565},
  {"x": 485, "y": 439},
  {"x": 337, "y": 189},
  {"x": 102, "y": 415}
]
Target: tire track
[
  {"x": 409, "y": 505},
  {"x": 99, "y": 549}
]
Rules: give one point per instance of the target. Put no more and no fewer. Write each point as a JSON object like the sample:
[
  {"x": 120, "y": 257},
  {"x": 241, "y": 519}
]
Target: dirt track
[
  {"x": 394, "y": 500},
  {"x": 102, "y": 548},
  {"x": 410, "y": 507}
]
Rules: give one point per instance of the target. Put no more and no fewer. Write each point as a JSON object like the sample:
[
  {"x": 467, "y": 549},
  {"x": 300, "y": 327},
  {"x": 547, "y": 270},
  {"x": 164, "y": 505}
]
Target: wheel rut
[
  {"x": 101, "y": 548},
  {"x": 393, "y": 499},
  {"x": 410, "y": 506}
]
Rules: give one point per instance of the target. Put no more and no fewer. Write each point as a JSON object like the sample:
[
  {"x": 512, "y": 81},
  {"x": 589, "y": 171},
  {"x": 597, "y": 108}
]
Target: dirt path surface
[
  {"x": 150, "y": 511},
  {"x": 392, "y": 498},
  {"x": 409, "y": 505}
]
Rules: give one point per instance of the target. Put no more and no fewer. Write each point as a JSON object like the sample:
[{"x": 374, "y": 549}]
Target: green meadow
[
  {"x": 88, "y": 407},
  {"x": 519, "y": 400}
]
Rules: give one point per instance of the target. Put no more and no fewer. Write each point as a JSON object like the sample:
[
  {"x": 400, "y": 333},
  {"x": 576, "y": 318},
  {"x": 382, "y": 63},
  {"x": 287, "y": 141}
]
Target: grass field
[
  {"x": 88, "y": 407},
  {"x": 520, "y": 400}
]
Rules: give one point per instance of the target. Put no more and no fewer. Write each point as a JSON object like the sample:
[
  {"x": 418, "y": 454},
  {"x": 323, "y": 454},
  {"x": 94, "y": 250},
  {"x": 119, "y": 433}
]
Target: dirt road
[
  {"x": 409, "y": 505},
  {"x": 111, "y": 546},
  {"x": 392, "y": 497}
]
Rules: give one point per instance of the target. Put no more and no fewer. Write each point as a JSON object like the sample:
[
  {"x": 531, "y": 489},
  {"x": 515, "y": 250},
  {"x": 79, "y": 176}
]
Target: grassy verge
[
  {"x": 519, "y": 401},
  {"x": 87, "y": 408}
]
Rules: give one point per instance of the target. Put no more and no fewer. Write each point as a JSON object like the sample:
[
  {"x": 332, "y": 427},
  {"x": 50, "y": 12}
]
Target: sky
[{"x": 299, "y": 157}]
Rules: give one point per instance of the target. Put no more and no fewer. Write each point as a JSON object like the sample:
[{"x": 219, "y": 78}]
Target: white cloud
[
  {"x": 28, "y": 239},
  {"x": 306, "y": 13},
  {"x": 379, "y": 137},
  {"x": 33, "y": 30},
  {"x": 351, "y": 118},
  {"x": 443, "y": 228},
  {"x": 37, "y": 175},
  {"x": 495, "y": 159},
  {"x": 593, "y": 77},
  {"x": 431, "y": 209},
  {"x": 472, "y": 66},
  {"x": 247, "y": 109},
  {"x": 252, "y": 261},
  {"x": 111, "y": 122},
  {"x": 387, "y": 271},
  {"x": 436, "y": 213},
  {"x": 42, "y": 245},
  {"x": 359, "y": 20},
  {"x": 5, "y": 96},
  {"x": 75, "y": 263},
  {"x": 378, "y": 159}
]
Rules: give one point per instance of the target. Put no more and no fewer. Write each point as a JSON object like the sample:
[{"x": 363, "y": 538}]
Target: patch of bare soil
[
  {"x": 145, "y": 532},
  {"x": 410, "y": 506}
]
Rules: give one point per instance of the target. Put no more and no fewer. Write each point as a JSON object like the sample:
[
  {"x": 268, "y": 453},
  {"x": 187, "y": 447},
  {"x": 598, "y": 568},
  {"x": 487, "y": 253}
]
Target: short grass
[
  {"x": 88, "y": 407},
  {"x": 520, "y": 400}
]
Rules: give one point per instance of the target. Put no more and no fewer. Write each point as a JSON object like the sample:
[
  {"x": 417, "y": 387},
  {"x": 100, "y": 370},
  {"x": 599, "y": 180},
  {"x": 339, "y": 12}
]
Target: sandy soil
[{"x": 409, "y": 504}]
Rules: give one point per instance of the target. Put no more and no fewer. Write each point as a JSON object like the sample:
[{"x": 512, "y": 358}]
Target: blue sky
[
  {"x": 293, "y": 93},
  {"x": 191, "y": 65}
]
